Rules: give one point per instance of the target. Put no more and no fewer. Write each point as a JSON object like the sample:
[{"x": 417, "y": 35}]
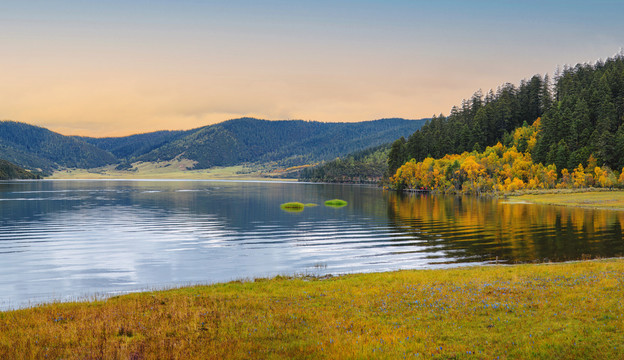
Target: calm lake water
[{"x": 70, "y": 239}]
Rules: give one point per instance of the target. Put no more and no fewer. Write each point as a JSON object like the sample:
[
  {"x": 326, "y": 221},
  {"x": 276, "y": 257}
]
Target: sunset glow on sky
[{"x": 120, "y": 67}]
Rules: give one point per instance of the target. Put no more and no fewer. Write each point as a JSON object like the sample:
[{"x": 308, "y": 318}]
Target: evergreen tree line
[
  {"x": 502, "y": 168},
  {"x": 582, "y": 114},
  {"x": 587, "y": 117},
  {"x": 366, "y": 166}
]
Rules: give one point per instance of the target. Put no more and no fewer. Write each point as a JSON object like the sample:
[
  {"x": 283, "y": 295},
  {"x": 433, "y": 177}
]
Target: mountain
[
  {"x": 245, "y": 140},
  {"x": 135, "y": 145},
  {"x": 291, "y": 142},
  {"x": 34, "y": 147},
  {"x": 9, "y": 171}
]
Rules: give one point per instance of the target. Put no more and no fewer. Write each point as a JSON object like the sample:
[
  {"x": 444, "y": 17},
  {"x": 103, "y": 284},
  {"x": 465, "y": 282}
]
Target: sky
[{"x": 119, "y": 67}]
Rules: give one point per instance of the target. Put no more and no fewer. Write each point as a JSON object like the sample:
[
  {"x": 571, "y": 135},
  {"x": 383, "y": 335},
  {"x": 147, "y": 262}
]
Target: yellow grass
[
  {"x": 174, "y": 169},
  {"x": 613, "y": 200},
  {"x": 563, "y": 311}
]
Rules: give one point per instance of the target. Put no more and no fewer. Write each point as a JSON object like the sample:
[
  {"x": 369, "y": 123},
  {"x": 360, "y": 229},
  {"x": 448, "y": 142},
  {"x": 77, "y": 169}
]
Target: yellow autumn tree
[
  {"x": 578, "y": 177},
  {"x": 566, "y": 180},
  {"x": 604, "y": 177},
  {"x": 500, "y": 168}
]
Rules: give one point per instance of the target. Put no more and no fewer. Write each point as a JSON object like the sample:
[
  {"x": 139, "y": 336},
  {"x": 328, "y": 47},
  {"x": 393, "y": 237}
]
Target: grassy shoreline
[
  {"x": 593, "y": 199},
  {"x": 176, "y": 170},
  {"x": 570, "y": 310}
]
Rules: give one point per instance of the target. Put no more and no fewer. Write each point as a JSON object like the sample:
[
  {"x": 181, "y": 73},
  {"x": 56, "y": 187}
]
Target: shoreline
[
  {"x": 571, "y": 309},
  {"x": 588, "y": 199}
]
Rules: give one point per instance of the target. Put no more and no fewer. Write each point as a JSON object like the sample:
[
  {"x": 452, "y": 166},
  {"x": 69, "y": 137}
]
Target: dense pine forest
[
  {"x": 9, "y": 171},
  {"x": 37, "y": 148},
  {"x": 286, "y": 143},
  {"x": 366, "y": 166},
  {"x": 580, "y": 131}
]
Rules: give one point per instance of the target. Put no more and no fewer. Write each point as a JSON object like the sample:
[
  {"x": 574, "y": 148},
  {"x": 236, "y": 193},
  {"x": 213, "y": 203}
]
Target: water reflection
[
  {"x": 62, "y": 239},
  {"x": 485, "y": 229}
]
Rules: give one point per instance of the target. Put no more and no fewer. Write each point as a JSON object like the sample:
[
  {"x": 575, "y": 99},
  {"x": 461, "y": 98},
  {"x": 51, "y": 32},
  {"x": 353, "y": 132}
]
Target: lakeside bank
[
  {"x": 567, "y": 310},
  {"x": 603, "y": 199}
]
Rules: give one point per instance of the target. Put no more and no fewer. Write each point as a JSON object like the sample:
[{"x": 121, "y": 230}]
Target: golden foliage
[{"x": 500, "y": 169}]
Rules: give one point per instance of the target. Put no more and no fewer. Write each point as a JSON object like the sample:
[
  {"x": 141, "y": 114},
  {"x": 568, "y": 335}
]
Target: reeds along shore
[{"x": 565, "y": 311}]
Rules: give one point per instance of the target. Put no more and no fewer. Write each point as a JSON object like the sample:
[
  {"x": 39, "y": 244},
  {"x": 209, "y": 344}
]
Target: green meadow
[{"x": 563, "y": 311}]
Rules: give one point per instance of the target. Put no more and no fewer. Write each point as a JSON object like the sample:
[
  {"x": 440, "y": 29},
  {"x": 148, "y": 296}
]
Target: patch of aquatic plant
[
  {"x": 335, "y": 203},
  {"x": 311, "y": 205},
  {"x": 293, "y": 206},
  {"x": 563, "y": 311}
]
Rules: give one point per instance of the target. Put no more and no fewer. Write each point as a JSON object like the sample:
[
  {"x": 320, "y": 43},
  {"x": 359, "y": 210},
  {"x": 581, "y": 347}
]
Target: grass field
[
  {"x": 563, "y": 311},
  {"x": 595, "y": 199},
  {"x": 174, "y": 169}
]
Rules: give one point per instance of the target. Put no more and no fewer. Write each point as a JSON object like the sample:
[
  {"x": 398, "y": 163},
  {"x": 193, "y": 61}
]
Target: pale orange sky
[{"x": 118, "y": 68}]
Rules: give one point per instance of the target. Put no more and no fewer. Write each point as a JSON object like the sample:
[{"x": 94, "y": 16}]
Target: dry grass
[
  {"x": 564, "y": 311},
  {"x": 613, "y": 200},
  {"x": 174, "y": 169}
]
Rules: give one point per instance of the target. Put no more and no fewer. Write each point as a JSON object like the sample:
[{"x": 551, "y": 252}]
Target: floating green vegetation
[
  {"x": 335, "y": 203},
  {"x": 292, "y": 207},
  {"x": 311, "y": 205}
]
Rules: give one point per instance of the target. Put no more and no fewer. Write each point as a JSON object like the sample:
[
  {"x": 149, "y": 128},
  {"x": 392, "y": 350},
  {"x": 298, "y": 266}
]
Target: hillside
[
  {"x": 234, "y": 142},
  {"x": 292, "y": 142},
  {"x": 34, "y": 147},
  {"x": 364, "y": 166},
  {"x": 128, "y": 147},
  {"x": 9, "y": 171}
]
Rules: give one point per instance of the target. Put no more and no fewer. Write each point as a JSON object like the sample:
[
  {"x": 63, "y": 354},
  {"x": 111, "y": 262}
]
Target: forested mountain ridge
[
  {"x": 9, "y": 171},
  {"x": 291, "y": 142},
  {"x": 246, "y": 140},
  {"x": 134, "y": 145},
  {"x": 34, "y": 147}
]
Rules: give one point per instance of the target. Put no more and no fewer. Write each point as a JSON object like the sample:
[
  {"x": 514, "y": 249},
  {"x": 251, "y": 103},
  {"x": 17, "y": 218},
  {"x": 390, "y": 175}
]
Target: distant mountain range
[{"x": 233, "y": 142}]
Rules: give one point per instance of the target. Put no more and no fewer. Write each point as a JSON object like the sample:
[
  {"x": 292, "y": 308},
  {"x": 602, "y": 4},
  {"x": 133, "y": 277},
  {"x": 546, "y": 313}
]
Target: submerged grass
[
  {"x": 613, "y": 200},
  {"x": 293, "y": 206},
  {"x": 335, "y": 203},
  {"x": 565, "y": 311}
]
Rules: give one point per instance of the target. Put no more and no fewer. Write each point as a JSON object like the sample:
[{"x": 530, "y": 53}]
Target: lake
[{"x": 64, "y": 240}]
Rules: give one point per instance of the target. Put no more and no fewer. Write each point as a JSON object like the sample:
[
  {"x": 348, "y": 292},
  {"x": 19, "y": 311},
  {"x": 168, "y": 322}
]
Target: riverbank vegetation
[
  {"x": 613, "y": 200},
  {"x": 577, "y": 140},
  {"x": 366, "y": 166},
  {"x": 502, "y": 168},
  {"x": 570, "y": 311}
]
